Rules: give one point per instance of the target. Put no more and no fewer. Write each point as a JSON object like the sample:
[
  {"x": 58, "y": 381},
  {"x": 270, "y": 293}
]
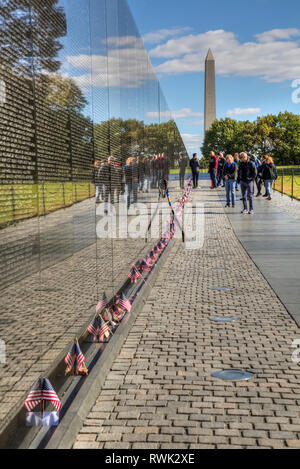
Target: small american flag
[
  {"x": 74, "y": 354},
  {"x": 134, "y": 275},
  {"x": 103, "y": 329},
  {"x": 102, "y": 303},
  {"x": 153, "y": 256},
  {"x": 145, "y": 266},
  {"x": 124, "y": 303},
  {"x": 93, "y": 329},
  {"x": 42, "y": 391}
]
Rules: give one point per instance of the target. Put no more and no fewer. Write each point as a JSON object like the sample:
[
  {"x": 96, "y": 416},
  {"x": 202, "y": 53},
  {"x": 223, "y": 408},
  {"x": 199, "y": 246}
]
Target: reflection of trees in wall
[
  {"x": 29, "y": 44},
  {"x": 44, "y": 129},
  {"x": 137, "y": 137},
  {"x": 31, "y": 28}
]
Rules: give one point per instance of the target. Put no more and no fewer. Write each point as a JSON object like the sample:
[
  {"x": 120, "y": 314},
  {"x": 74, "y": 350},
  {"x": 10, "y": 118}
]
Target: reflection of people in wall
[
  {"x": 147, "y": 165},
  {"x": 182, "y": 168},
  {"x": 97, "y": 181},
  {"x": 109, "y": 178},
  {"x": 165, "y": 166},
  {"x": 131, "y": 180}
]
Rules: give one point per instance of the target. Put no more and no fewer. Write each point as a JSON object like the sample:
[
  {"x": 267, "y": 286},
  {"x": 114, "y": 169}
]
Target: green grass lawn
[
  {"x": 288, "y": 185},
  {"x": 176, "y": 170},
  {"x": 21, "y": 201}
]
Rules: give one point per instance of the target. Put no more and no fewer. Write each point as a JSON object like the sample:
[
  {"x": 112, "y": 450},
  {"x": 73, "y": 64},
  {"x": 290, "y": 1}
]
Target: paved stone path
[
  {"x": 286, "y": 203},
  {"x": 159, "y": 393}
]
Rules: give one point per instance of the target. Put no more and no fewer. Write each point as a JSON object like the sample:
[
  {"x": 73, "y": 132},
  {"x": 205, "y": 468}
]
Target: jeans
[
  {"x": 219, "y": 179},
  {"x": 141, "y": 184},
  {"x": 195, "y": 179},
  {"x": 181, "y": 179},
  {"x": 213, "y": 173},
  {"x": 147, "y": 184},
  {"x": 132, "y": 192},
  {"x": 247, "y": 193},
  {"x": 98, "y": 192},
  {"x": 230, "y": 190},
  {"x": 268, "y": 186}
]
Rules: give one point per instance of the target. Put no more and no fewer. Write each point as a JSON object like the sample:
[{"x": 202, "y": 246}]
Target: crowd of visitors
[
  {"x": 242, "y": 171},
  {"x": 138, "y": 175}
]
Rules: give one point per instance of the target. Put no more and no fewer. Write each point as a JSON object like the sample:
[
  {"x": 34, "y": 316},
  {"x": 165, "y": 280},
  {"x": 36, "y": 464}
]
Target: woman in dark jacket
[
  {"x": 230, "y": 172},
  {"x": 269, "y": 175}
]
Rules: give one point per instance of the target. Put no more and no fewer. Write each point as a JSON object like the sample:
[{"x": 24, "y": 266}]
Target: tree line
[{"x": 274, "y": 135}]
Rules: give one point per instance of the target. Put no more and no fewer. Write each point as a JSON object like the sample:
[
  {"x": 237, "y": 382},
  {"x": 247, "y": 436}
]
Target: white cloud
[
  {"x": 125, "y": 41},
  {"x": 274, "y": 34},
  {"x": 127, "y": 67},
  {"x": 272, "y": 56},
  {"x": 161, "y": 34},
  {"x": 192, "y": 141},
  {"x": 243, "y": 111},
  {"x": 177, "y": 114}
]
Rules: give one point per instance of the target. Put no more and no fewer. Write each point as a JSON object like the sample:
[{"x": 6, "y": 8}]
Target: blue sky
[{"x": 257, "y": 49}]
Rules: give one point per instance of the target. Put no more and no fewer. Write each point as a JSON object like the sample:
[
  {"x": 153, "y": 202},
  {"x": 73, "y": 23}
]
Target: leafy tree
[{"x": 278, "y": 136}]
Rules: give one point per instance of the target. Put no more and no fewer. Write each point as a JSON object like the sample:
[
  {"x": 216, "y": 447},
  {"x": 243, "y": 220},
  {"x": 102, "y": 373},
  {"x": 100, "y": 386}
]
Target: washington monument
[{"x": 210, "y": 113}]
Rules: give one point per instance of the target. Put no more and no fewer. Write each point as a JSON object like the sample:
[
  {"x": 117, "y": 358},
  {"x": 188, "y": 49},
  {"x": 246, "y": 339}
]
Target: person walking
[
  {"x": 195, "y": 166},
  {"x": 213, "y": 165},
  {"x": 131, "y": 180},
  {"x": 256, "y": 161},
  {"x": 141, "y": 173},
  {"x": 269, "y": 175},
  {"x": 246, "y": 175},
  {"x": 220, "y": 167},
  {"x": 96, "y": 181},
  {"x": 237, "y": 162},
  {"x": 147, "y": 166},
  {"x": 230, "y": 173},
  {"x": 260, "y": 169},
  {"x": 110, "y": 179},
  {"x": 182, "y": 168},
  {"x": 165, "y": 166}
]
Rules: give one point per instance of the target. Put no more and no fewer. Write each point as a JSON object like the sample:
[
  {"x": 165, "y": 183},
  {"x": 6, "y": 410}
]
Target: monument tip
[{"x": 210, "y": 55}]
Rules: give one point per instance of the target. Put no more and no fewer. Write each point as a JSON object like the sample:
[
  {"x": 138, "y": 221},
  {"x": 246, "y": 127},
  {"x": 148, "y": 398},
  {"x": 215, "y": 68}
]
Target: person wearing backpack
[{"x": 269, "y": 175}]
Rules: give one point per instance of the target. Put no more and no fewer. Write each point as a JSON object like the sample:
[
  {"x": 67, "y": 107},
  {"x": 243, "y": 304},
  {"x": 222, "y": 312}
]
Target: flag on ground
[
  {"x": 134, "y": 275},
  {"x": 102, "y": 303},
  {"x": 75, "y": 354},
  {"x": 103, "y": 329},
  {"x": 145, "y": 266},
  {"x": 93, "y": 329},
  {"x": 42, "y": 391},
  {"x": 124, "y": 303}
]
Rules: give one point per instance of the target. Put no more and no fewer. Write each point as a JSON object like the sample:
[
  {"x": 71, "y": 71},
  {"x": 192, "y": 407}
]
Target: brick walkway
[{"x": 160, "y": 394}]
